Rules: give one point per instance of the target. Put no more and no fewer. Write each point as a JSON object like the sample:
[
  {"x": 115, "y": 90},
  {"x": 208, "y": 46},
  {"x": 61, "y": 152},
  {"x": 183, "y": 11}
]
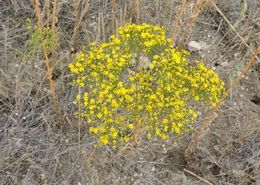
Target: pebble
[
  {"x": 194, "y": 46},
  {"x": 224, "y": 64}
]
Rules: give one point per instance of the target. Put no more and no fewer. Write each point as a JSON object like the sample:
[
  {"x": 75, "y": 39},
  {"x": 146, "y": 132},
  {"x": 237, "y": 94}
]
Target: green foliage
[
  {"x": 139, "y": 82},
  {"x": 49, "y": 40}
]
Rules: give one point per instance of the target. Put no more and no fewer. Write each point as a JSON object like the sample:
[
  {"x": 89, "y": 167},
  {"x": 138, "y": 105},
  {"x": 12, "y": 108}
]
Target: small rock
[
  {"x": 203, "y": 45},
  {"x": 43, "y": 176},
  {"x": 175, "y": 144},
  {"x": 144, "y": 62},
  {"x": 93, "y": 25},
  {"x": 216, "y": 148},
  {"x": 194, "y": 46},
  {"x": 238, "y": 173},
  {"x": 224, "y": 64}
]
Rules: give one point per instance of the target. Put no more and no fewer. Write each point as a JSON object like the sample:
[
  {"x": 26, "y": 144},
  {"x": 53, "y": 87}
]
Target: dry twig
[{"x": 197, "y": 176}]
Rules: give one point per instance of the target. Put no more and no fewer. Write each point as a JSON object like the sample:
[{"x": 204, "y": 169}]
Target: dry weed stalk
[
  {"x": 197, "y": 8},
  {"x": 47, "y": 63},
  {"x": 176, "y": 24},
  {"x": 79, "y": 18},
  {"x": 113, "y": 3},
  {"x": 197, "y": 176},
  {"x": 98, "y": 37},
  {"x": 122, "y": 15},
  {"x": 102, "y": 25},
  {"x": 232, "y": 27},
  {"x": 79, "y": 121},
  {"x": 75, "y": 5},
  {"x": 54, "y": 18},
  {"x": 134, "y": 11},
  {"x": 47, "y": 4},
  {"x": 75, "y": 14}
]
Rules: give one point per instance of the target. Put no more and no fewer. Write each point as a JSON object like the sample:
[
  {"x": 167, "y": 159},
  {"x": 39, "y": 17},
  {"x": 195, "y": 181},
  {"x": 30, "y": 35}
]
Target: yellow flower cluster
[
  {"x": 207, "y": 86},
  {"x": 144, "y": 37},
  {"x": 138, "y": 80}
]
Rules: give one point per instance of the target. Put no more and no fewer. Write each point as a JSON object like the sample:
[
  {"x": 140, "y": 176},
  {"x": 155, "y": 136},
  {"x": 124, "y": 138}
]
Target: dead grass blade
[{"x": 178, "y": 18}]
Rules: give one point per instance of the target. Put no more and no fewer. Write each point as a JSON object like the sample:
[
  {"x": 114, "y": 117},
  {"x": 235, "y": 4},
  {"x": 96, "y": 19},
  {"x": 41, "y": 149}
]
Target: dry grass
[{"x": 34, "y": 151}]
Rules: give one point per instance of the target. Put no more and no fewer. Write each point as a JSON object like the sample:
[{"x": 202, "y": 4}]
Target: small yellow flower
[
  {"x": 126, "y": 138},
  {"x": 78, "y": 97},
  {"x": 196, "y": 98},
  {"x": 149, "y": 135},
  {"x": 131, "y": 126},
  {"x": 129, "y": 98},
  {"x": 114, "y": 134},
  {"x": 104, "y": 139},
  {"x": 155, "y": 57},
  {"x": 99, "y": 115},
  {"x": 164, "y": 137},
  {"x": 93, "y": 129},
  {"x": 153, "y": 97},
  {"x": 140, "y": 107},
  {"x": 165, "y": 121}
]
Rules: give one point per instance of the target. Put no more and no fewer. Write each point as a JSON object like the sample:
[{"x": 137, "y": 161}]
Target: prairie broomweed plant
[{"x": 139, "y": 80}]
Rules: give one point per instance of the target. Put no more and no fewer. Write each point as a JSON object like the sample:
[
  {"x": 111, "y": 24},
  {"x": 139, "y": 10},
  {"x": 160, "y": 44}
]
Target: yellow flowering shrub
[{"x": 139, "y": 81}]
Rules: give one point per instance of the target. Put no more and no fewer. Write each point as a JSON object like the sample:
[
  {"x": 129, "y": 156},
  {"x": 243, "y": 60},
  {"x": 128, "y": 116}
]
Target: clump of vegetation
[
  {"x": 39, "y": 37},
  {"x": 139, "y": 82}
]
